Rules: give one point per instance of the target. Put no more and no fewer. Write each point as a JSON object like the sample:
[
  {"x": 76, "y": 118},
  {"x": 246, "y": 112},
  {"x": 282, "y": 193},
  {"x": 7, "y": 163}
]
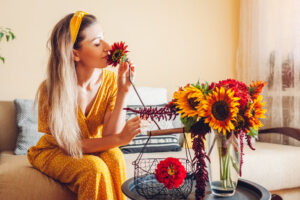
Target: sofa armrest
[{"x": 291, "y": 132}]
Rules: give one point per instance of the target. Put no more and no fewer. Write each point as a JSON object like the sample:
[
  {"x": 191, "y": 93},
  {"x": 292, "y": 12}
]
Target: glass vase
[{"x": 224, "y": 165}]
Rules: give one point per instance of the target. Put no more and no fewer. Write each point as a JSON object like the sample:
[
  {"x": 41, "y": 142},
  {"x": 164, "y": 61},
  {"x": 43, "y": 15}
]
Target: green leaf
[
  {"x": 206, "y": 86},
  {"x": 1, "y": 58},
  {"x": 12, "y": 35},
  {"x": 1, "y": 35},
  {"x": 123, "y": 57},
  {"x": 7, "y": 38},
  {"x": 253, "y": 132},
  {"x": 188, "y": 122}
]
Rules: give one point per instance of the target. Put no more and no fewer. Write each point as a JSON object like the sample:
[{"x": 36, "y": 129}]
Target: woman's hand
[
  {"x": 123, "y": 76},
  {"x": 133, "y": 127}
]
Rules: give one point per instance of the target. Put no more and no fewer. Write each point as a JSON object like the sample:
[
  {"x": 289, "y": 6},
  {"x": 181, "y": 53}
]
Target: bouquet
[{"x": 229, "y": 107}]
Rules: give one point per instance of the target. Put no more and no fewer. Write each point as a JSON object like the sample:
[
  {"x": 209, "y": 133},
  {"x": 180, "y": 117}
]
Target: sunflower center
[
  {"x": 193, "y": 103},
  {"x": 220, "y": 110},
  {"x": 253, "y": 112},
  {"x": 117, "y": 55},
  {"x": 171, "y": 170},
  {"x": 240, "y": 121}
]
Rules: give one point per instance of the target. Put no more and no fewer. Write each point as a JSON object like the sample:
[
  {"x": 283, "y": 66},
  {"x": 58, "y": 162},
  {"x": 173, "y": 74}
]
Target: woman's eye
[{"x": 97, "y": 44}]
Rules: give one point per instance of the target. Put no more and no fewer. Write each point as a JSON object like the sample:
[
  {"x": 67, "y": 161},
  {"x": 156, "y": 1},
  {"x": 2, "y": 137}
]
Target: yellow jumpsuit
[{"x": 94, "y": 176}]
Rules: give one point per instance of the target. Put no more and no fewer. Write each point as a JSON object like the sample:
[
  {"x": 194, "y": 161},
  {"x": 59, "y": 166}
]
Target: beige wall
[{"x": 173, "y": 42}]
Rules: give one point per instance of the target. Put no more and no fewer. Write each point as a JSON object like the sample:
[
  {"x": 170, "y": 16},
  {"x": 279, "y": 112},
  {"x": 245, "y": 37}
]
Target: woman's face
[{"x": 93, "y": 49}]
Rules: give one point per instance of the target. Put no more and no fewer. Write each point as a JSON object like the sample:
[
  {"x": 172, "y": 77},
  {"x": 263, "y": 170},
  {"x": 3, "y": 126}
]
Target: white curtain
[{"x": 269, "y": 50}]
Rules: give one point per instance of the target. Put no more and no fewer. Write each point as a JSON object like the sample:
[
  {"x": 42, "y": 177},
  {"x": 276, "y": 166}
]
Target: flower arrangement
[
  {"x": 170, "y": 172},
  {"x": 229, "y": 107}
]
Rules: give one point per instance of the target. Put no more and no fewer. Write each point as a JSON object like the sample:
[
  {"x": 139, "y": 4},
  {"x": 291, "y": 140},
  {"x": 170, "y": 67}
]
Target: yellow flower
[
  {"x": 220, "y": 108},
  {"x": 187, "y": 101},
  {"x": 256, "y": 111}
]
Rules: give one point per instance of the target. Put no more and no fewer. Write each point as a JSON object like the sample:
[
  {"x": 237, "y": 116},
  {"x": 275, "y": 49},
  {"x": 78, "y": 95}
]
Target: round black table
[{"x": 246, "y": 190}]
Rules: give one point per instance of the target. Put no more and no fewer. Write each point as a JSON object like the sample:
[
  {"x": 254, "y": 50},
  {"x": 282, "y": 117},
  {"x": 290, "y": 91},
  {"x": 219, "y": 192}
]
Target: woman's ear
[{"x": 76, "y": 57}]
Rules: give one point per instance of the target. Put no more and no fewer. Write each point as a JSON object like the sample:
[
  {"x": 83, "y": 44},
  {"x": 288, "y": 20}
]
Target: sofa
[{"x": 275, "y": 167}]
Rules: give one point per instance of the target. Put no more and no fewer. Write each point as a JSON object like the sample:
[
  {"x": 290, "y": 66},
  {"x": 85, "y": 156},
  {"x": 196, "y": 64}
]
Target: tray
[{"x": 245, "y": 190}]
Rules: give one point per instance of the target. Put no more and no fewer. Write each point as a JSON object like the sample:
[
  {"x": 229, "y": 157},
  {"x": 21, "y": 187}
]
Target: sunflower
[
  {"x": 118, "y": 50},
  {"x": 256, "y": 88},
  {"x": 220, "y": 108},
  {"x": 256, "y": 111},
  {"x": 187, "y": 100}
]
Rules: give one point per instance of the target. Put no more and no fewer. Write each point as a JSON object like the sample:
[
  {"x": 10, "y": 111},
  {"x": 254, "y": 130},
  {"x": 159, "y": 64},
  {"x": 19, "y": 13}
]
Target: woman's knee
[
  {"x": 114, "y": 155},
  {"x": 96, "y": 165}
]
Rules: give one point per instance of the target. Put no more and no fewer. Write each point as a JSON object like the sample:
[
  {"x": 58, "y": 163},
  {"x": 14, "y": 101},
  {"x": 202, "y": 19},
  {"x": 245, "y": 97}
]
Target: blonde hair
[{"x": 61, "y": 84}]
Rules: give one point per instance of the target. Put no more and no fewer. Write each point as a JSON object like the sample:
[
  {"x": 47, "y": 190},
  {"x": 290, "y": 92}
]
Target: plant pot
[{"x": 224, "y": 165}]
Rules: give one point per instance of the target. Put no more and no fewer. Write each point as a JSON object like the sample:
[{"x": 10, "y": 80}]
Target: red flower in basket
[
  {"x": 170, "y": 172},
  {"x": 117, "y": 53}
]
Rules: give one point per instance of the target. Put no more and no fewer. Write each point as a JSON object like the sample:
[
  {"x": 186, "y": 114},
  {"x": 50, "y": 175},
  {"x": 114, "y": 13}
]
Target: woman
[{"x": 80, "y": 110}]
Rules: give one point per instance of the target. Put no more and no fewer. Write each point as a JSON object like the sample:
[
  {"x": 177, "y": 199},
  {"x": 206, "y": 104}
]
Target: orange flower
[
  {"x": 256, "y": 88},
  {"x": 187, "y": 101},
  {"x": 256, "y": 111}
]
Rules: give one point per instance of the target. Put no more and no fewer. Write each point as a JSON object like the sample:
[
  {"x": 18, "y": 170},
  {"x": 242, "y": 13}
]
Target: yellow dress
[{"x": 94, "y": 176}]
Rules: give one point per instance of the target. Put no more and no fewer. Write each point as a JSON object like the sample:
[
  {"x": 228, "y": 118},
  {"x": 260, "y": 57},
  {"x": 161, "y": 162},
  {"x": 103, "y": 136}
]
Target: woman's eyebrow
[{"x": 99, "y": 36}]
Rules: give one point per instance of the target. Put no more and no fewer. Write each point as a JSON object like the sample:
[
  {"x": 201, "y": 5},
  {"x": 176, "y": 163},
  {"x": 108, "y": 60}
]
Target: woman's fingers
[
  {"x": 142, "y": 125},
  {"x": 134, "y": 119},
  {"x": 136, "y": 132},
  {"x": 123, "y": 67}
]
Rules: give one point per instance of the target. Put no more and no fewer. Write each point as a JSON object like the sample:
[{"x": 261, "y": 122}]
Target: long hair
[{"x": 61, "y": 84}]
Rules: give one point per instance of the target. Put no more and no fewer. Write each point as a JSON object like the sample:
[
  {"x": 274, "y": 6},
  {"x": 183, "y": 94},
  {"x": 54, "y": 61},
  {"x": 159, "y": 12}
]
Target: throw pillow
[
  {"x": 156, "y": 143},
  {"x": 26, "y": 118}
]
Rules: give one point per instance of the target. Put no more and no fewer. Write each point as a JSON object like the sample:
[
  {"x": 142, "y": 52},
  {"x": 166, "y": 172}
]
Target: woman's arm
[
  {"x": 114, "y": 120},
  {"x": 94, "y": 145},
  {"x": 130, "y": 130}
]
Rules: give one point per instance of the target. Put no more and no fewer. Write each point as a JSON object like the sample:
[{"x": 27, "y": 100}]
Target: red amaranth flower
[
  {"x": 118, "y": 50},
  {"x": 167, "y": 112},
  {"x": 240, "y": 90},
  {"x": 198, "y": 132},
  {"x": 248, "y": 137},
  {"x": 170, "y": 172}
]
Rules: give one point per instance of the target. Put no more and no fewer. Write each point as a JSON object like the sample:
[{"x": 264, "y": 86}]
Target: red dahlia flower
[
  {"x": 117, "y": 52},
  {"x": 240, "y": 90},
  {"x": 170, "y": 172}
]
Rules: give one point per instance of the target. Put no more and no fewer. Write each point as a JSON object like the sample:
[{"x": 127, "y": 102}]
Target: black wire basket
[{"x": 146, "y": 184}]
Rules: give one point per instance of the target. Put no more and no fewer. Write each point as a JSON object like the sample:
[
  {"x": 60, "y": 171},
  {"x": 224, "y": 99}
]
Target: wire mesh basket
[{"x": 146, "y": 184}]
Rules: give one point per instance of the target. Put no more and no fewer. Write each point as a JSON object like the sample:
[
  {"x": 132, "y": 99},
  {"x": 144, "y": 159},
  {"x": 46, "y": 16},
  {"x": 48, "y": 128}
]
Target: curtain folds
[{"x": 269, "y": 50}]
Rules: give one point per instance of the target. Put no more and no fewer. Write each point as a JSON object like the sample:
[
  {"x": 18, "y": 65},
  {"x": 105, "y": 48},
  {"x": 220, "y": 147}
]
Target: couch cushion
[
  {"x": 19, "y": 180},
  {"x": 149, "y": 95},
  {"x": 27, "y": 123},
  {"x": 274, "y": 166},
  {"x": 8, "y": 127},
  {"x": 161, "y": 143}
]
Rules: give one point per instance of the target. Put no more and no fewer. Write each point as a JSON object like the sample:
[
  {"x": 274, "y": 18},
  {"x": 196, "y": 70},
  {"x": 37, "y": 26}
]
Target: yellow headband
[{"x": 75, "y": 24}]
